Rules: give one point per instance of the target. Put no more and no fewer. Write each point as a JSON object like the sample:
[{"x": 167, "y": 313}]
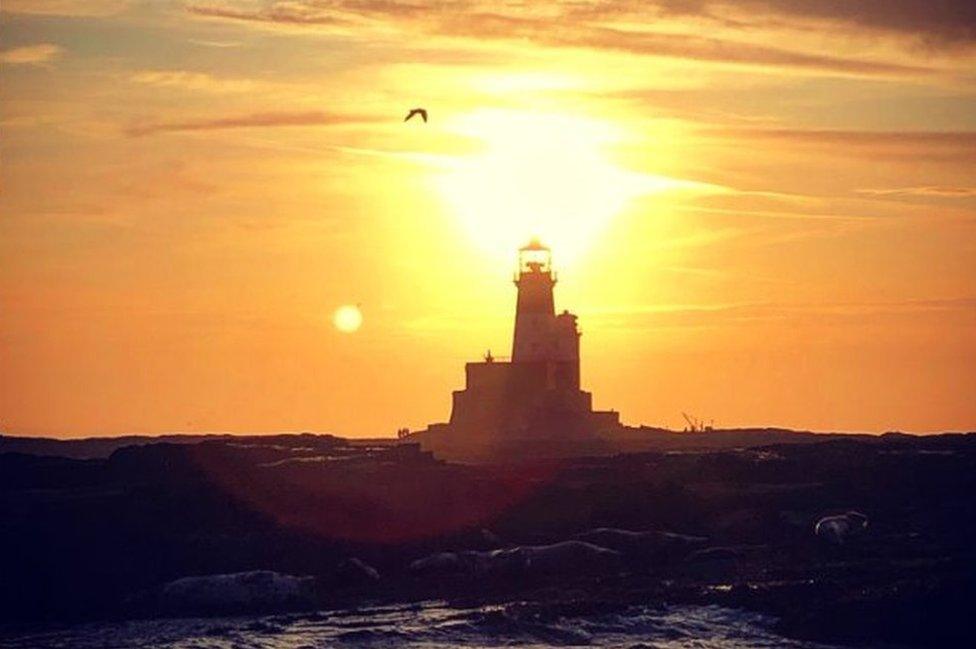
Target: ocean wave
[{"x": 433, "y": 625}]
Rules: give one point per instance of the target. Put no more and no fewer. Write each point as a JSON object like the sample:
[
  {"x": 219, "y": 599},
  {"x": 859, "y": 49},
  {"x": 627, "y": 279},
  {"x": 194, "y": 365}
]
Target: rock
[
  {"x": 356, "y": 572},
  {"x": 566, "y": 557},
  {"x": 444, "y": 563},
  {"x": 838, "y": 529},
  {"x": 258, "y": 590},
  {"x": 642, "y": 544},
  {"x": 714, "y": 554}
]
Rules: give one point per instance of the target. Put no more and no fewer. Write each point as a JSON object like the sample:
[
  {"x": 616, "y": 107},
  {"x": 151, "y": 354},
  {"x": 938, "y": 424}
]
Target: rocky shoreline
[{"x": 106, "y": 538}]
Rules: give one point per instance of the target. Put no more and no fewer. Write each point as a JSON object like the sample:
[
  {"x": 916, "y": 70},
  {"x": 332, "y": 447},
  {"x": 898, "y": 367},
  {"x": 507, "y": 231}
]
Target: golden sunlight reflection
[{"x": 541, "y": 175}]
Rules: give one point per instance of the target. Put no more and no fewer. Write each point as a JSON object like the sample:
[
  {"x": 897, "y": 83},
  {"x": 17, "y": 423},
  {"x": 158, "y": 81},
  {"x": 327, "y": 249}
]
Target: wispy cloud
[
  {"x": 309, "y": 14},
  {"x": 673, "y": 45},
  {"x": 938, "y": 191},
  {"x": 211, "y": 43},
  {"x": 721, "y": 31},
  {"x": 942, "y": 22},
  {"x": 834, "y": 136},
  {"x": 193, "y": 81},
  {"x": 959, "y": 146},
  {"x": 65, "y": 7},
  {"x": 31, "y": 54},
  {"x": 253, "y": 120},
  {"x": 653, "y": 316},
  {"x": 774, "y": 214}
]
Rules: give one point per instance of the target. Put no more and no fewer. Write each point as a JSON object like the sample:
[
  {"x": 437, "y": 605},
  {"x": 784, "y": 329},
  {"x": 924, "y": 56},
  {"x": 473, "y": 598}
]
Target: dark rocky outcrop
[{"x": 84, "y": 539}]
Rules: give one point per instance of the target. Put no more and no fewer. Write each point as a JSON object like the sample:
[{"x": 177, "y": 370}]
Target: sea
[{"x": 430, "y": 624}]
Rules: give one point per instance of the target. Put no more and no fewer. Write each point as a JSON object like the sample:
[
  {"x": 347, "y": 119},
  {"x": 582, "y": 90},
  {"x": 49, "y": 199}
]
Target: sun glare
[{"x": 540, "y": 175}]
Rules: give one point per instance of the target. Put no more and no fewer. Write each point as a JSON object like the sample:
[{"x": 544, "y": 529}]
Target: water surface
[{"x": 431, "y": 624}]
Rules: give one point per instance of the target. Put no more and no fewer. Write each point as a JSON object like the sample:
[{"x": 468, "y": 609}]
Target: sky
[{"x": 764, "y": 213}]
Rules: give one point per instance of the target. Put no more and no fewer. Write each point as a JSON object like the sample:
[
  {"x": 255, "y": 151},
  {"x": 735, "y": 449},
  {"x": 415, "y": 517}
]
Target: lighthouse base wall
[{"x": 525, "y": 399}]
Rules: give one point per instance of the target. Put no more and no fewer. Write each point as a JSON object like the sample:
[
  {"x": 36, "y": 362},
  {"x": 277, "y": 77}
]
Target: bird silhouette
[{"x": 417, "y": 111}]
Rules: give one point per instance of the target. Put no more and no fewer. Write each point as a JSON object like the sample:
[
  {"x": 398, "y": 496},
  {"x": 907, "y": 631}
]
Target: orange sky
[{"x": 763, "y": 213}]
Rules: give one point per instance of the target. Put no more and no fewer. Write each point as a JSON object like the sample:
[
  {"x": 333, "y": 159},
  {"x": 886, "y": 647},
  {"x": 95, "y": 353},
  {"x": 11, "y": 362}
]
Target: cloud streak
[
  {"x": 303, "y": 14},
  {"x": 837, "y": 136},
  {"x": 684, "y": 29},
  {"x": 31, "y": 54},
  {"x": 937, "y": 191},
  {"x": 253, "y": 120},
  {"x": 65, "y": 7},
  {"x": 671, "y": 45},
  {"x": 192, "y": 81},
  {"x": 958, "y": 146},
  {"x": 640, "y": 316},
  {"x": 934, "y": 22}
]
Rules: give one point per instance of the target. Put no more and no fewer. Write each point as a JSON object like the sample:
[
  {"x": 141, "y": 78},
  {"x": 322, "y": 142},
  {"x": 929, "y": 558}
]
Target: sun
[
  {"x": 539, "y": 175},
  {"x": 347, "y": 318}
]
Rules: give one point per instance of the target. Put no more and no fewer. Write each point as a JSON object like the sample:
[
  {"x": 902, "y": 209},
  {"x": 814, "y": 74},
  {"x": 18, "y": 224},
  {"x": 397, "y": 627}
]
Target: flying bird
[{"x": 417, "y": 111}]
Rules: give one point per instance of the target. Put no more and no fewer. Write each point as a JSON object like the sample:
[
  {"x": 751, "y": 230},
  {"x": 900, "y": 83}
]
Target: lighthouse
[
  {"x": 536, "y": 395},
  {"x": 535, "y": 310},
  {"x": 540, "y": 335}
]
